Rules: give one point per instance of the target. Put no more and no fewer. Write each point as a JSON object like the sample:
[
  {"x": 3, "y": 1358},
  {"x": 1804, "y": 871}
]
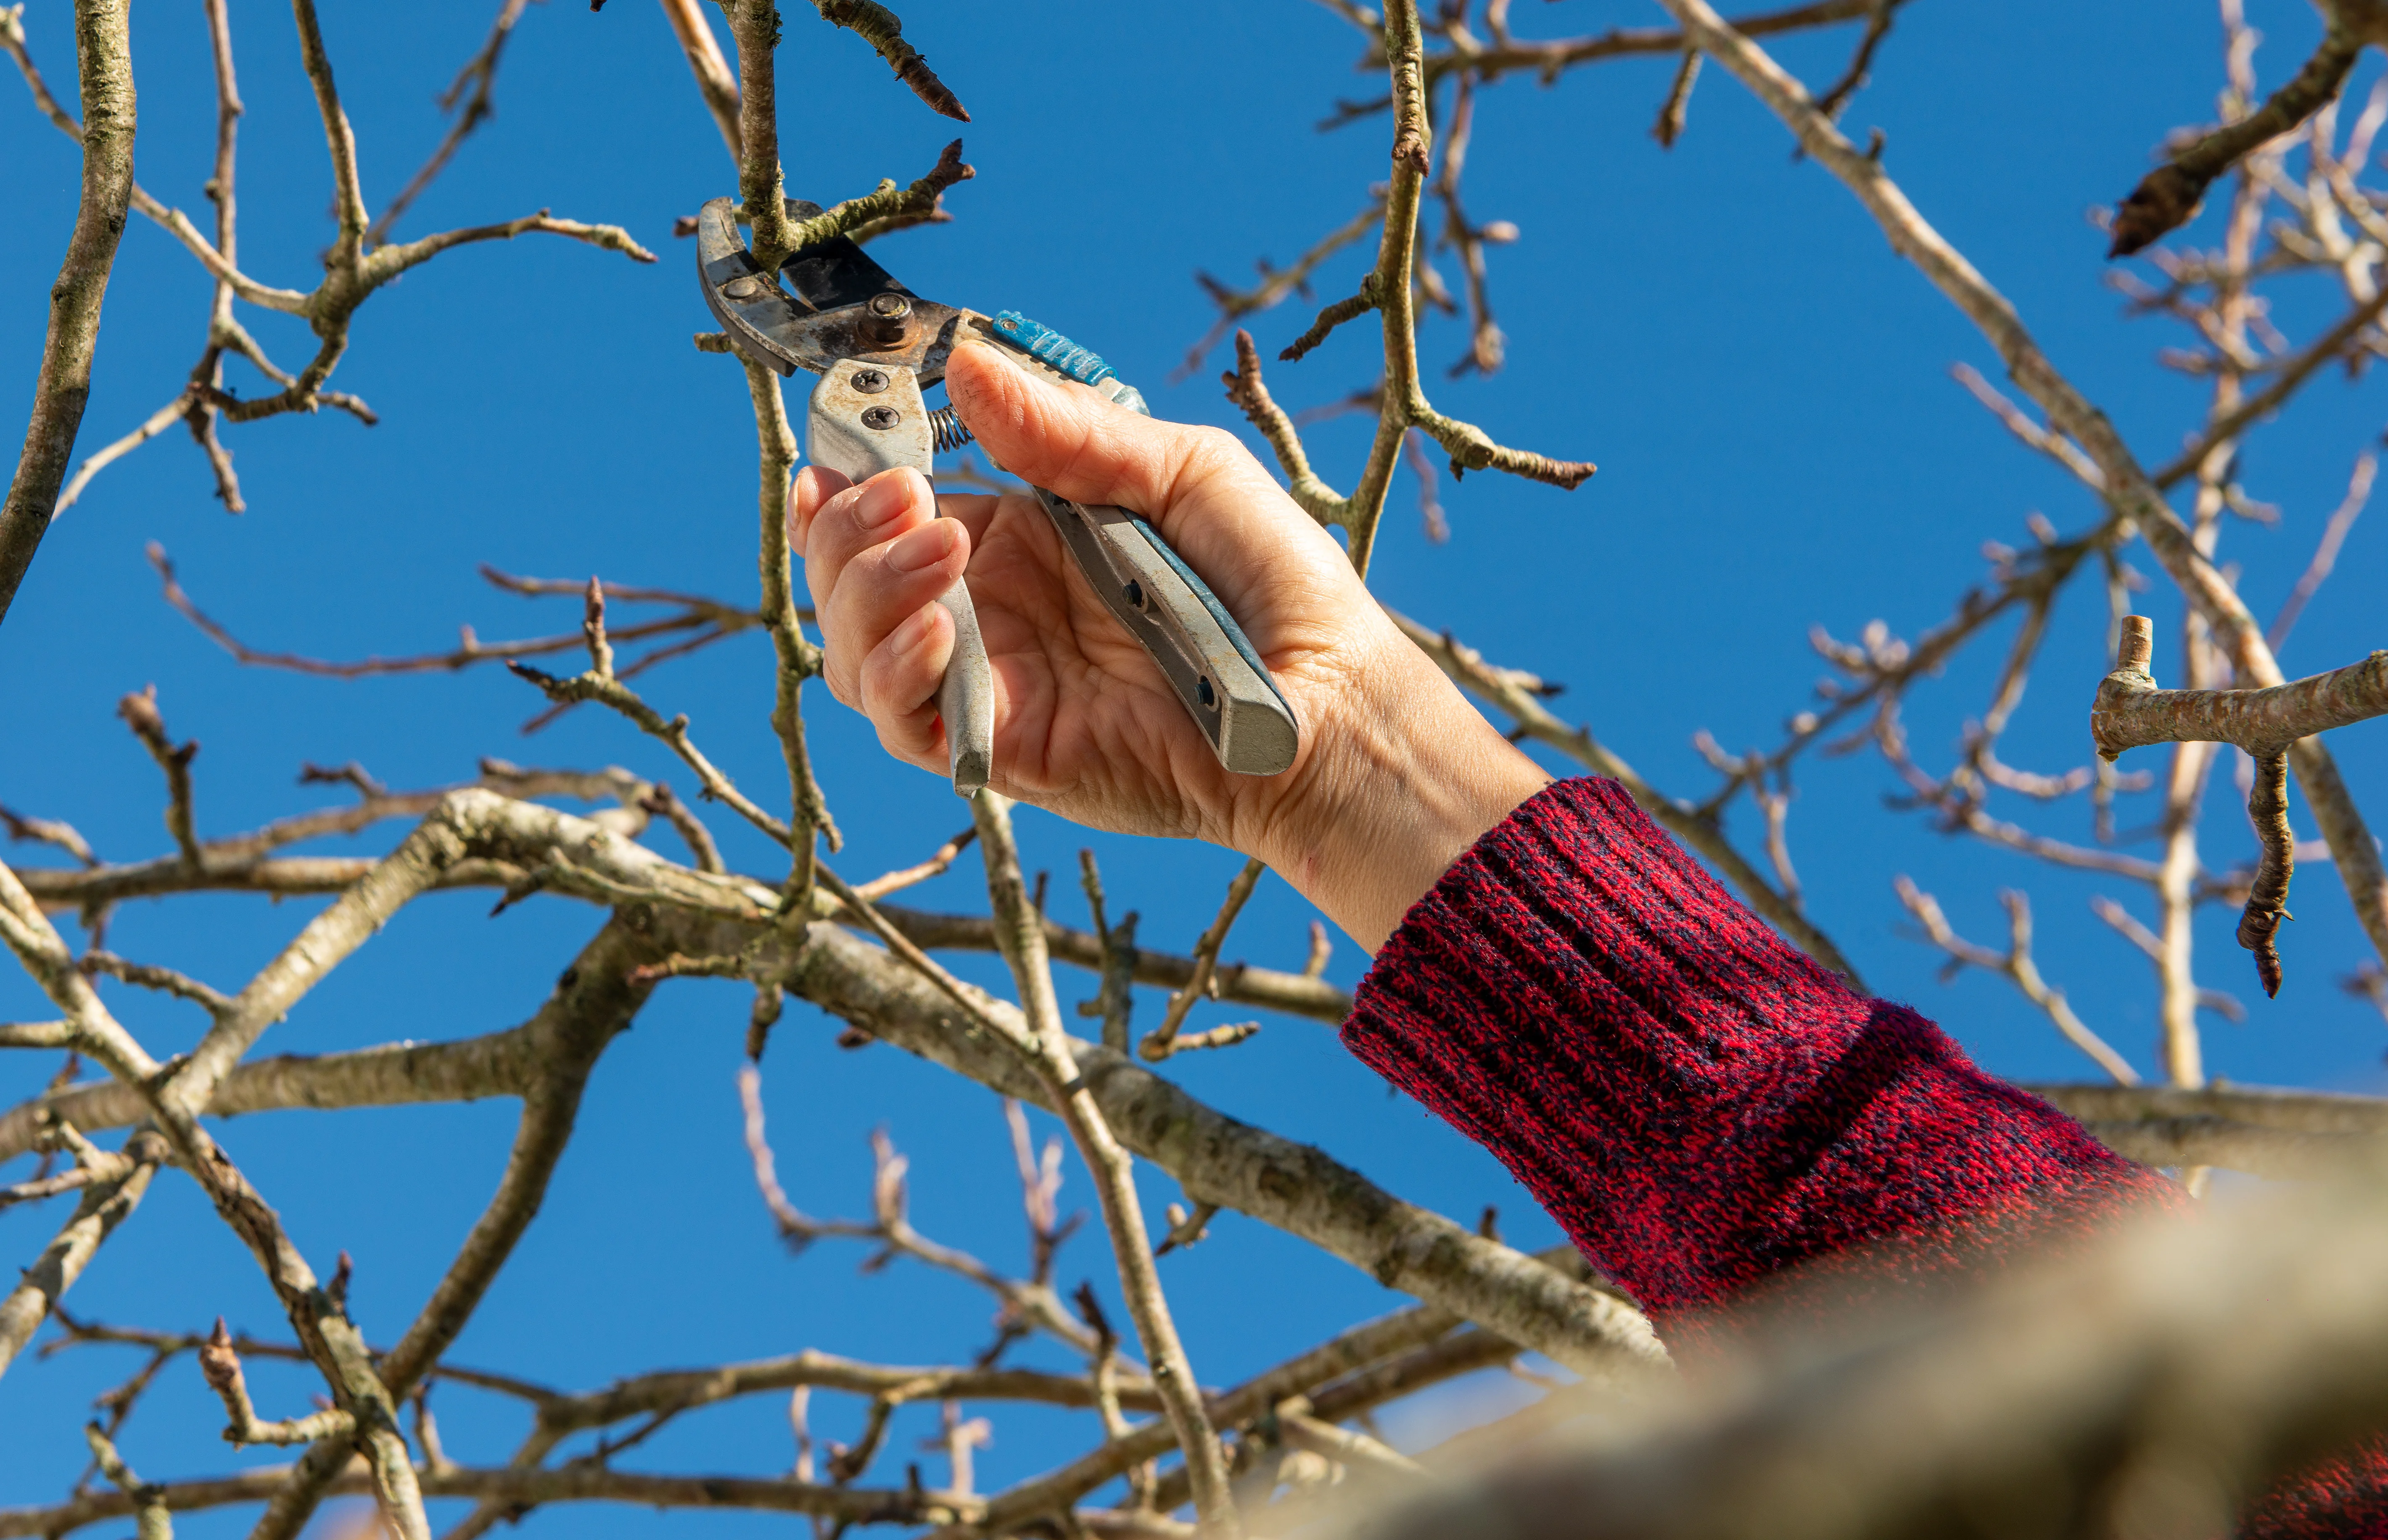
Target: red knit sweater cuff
[{"x": 1700, "y": 1106}]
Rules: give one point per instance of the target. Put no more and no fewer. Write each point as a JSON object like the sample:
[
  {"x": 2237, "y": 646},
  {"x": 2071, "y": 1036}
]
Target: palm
[{"x": 1086, "y": 724}]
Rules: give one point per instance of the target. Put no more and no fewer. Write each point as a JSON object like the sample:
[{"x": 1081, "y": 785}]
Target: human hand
[{"x": 1396, "y": 774}]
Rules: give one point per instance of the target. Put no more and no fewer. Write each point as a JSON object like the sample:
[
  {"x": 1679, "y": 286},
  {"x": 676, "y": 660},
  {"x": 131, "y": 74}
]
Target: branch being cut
[
  {"x": 798, "y": 659},
  {"x": 886, "y": 203}
]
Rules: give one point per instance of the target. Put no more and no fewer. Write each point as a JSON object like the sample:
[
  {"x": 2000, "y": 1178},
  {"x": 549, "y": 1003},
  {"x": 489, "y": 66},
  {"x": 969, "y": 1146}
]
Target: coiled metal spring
[{"x": 946, "y": 431}]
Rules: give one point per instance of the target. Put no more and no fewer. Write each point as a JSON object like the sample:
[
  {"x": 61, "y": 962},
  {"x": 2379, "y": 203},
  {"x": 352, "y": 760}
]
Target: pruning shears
[{"x": 875, "y": 344}]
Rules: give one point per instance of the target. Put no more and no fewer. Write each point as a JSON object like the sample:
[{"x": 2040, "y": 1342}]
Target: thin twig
[{"x": 1162, "y": 1041}]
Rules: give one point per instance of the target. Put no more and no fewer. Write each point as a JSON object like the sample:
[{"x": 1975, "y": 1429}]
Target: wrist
[{"x": 1400, "y": 784}]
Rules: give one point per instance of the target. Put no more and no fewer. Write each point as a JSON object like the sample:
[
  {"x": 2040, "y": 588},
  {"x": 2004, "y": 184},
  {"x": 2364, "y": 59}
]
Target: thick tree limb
[
  {"x": 2015, "y": 964},
  {"x": 1215, "y": 1157},
  {"x": 2193, "y": 1142},
  {"x": 2157, "y": 1384},
  {"x": 1219, "y": 1160},
  {"x": 1361, "y": 1345},
  {"x": 2260, "y": 1107}
]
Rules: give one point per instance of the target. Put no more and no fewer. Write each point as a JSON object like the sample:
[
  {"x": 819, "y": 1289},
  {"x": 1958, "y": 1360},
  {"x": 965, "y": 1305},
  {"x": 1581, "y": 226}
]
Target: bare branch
[
  {"x": 713, "y": 81},
  {"x": 480, "y": 76},
  {"x": 903, "y": 878},
  {"x": 2130, "y": 711},
  {"x": 1046, "y": 1047},
  {"x": 220, "y": 1361},
  {"x": 2130, "y": 492},
  {"x": 1162, "y": 1041},
  {"x": 1700, "y": 830},
  {"x": 140, "y": 712},
  {"x": 2325, "y": 556},
  {"x": 63, "y": 384},
  {"x": 2167, "y": 196},
  {"x": 112, "y": 1188},
  {"x": 884, "y": 30},
  {"x": 2014, "y": 964},
  {"x": 1676, "y": 108},
  {"x": 152, "y": 1513}
]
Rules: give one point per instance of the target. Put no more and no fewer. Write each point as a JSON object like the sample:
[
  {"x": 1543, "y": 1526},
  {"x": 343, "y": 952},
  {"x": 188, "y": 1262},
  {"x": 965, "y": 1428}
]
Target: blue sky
[{"x": 1764, "y": 386}]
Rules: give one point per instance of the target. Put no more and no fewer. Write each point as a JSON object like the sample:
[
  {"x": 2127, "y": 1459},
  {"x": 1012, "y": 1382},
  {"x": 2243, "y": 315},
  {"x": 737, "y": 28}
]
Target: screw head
[
  {"x": 879, "y": 417},
  {"x": 890, "y": 307},
  {"x": 743, "y": 288},
  {"x": 870, "y": 382}
]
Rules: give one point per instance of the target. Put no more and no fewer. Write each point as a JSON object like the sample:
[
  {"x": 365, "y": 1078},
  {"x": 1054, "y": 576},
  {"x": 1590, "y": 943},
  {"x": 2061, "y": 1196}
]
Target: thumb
[{"x": 1072, "y": 442}]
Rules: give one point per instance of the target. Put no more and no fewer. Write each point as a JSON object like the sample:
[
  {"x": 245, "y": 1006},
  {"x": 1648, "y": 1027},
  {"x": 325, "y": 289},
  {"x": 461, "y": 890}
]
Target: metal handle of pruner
[{"x": 866, "y": 417}]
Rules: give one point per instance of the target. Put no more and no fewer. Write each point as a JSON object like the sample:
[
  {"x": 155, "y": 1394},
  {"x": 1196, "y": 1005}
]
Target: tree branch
[
  {"x": 2167, "y": 196},
  {"x": 2129, "y": 490},
  {"x": 1045, "y": 1047},
  {"x": 62, "y": 387}
]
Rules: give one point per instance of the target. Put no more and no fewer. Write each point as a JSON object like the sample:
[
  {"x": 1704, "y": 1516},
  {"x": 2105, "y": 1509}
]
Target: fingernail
[
  {"x": 909, "y": 636},
  {"x": 881, "y": 500},
  {"x": 924, "y": 547}
]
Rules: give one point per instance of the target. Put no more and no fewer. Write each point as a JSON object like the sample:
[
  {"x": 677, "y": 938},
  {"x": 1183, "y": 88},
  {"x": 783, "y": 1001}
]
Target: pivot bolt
[
  {"x": 879, "y": 417},
  {"x": 888, "y": 312},
  {"x": 870, "y": 382},
  {"x": 743, "y": 288}
]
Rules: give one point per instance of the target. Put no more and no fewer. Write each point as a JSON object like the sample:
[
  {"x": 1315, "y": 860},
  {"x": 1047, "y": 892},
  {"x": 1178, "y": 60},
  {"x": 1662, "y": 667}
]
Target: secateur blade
[{"x": 845, "y": 307}]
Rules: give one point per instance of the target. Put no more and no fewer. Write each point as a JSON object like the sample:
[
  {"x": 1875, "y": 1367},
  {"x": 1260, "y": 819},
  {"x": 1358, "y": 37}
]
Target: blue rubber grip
[{"x": 1052, "y": 349}]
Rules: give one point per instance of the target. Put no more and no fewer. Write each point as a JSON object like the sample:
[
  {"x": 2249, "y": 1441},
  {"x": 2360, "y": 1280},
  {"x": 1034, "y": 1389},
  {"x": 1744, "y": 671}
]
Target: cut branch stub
[{"x": 2130, "y": 711}]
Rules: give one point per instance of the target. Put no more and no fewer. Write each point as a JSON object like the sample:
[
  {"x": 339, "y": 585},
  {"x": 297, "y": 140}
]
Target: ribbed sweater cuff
[{"x": 1699, "y": 1105}]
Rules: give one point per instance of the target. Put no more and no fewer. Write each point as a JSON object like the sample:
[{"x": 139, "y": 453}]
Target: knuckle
[{"x": 1208, "y": 444}]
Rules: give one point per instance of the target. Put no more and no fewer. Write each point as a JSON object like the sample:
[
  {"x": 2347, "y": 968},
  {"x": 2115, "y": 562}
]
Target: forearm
[{"x": 1699, "y": 1105}]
